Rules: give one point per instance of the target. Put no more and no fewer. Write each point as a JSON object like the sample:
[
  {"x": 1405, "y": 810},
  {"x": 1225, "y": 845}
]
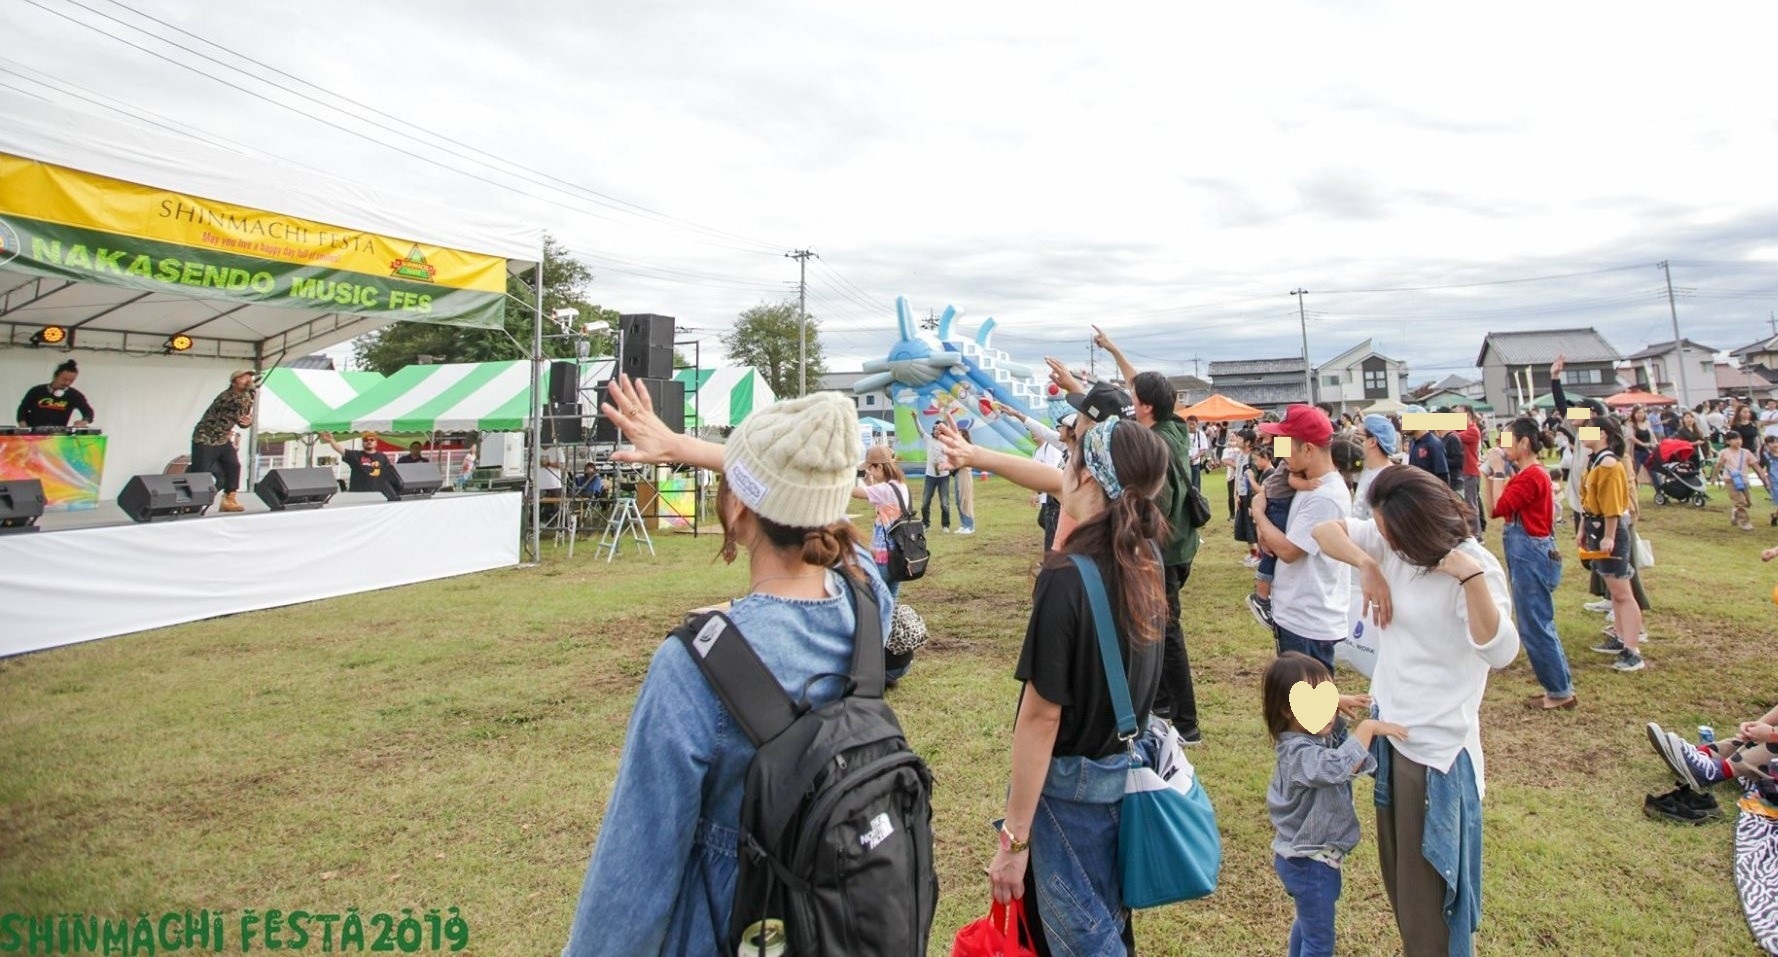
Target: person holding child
[
  {"x": 1441, "y": 604},
  {"x": 1314, "y": 824}
]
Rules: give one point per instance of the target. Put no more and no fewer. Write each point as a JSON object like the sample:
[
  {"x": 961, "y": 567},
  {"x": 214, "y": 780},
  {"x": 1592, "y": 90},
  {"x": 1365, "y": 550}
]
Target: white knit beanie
[{"x": 796, "y": 462}]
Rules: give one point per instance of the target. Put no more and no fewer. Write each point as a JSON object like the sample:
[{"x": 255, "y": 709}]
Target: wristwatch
[{"x": 1010, "y": 843}]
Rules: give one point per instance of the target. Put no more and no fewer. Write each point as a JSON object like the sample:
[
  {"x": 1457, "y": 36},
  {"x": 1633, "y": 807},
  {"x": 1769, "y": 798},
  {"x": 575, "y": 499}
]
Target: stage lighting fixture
[
  {"x": 178, "y": 343},
  {"x": 50, "y": 336}
]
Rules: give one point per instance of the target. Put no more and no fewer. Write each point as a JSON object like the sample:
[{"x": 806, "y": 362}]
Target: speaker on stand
[
  {"x": 647, "y": 351},
  {"x": 668, "y": 398}
]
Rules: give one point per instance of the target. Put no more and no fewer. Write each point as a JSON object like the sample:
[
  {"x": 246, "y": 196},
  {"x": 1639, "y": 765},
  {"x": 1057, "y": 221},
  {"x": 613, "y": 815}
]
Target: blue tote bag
[{"x": 1168, "y": 847}]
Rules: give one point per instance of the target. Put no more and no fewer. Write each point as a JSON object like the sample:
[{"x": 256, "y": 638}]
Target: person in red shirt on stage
[
  {"x": 54, "y": 404},
  {"x": 1527, "y": 502}
]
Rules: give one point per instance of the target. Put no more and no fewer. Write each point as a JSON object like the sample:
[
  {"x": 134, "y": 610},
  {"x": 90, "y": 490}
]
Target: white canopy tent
[{"x": 124, "y": 235}]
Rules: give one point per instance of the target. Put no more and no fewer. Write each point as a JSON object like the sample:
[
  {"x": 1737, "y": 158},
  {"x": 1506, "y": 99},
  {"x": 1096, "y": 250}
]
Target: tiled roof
[
  {"x": 1657, "y": 349},
  {"x": 1542, "y": 348},
  {"x": 1768, "y": 344},
  {"x": 1255, "y": 366}
]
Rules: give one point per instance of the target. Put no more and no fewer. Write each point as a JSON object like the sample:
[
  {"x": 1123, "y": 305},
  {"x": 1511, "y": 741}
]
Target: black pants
[
  {"x": 221, "y": 461},
  {"x": 1176, "y": 697},
  {"x": 941, "y": 485}
]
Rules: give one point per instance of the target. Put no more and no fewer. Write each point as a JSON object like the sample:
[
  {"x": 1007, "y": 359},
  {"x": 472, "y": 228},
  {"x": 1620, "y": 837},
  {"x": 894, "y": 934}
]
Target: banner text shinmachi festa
[{"x": 61, "y": 222}]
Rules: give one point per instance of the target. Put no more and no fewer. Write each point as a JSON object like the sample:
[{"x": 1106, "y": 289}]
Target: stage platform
[{"x": 94, "y": 573}]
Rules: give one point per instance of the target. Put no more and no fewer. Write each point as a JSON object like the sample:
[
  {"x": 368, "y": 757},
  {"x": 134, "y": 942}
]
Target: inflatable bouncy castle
[{"x": 928, "y": 373}]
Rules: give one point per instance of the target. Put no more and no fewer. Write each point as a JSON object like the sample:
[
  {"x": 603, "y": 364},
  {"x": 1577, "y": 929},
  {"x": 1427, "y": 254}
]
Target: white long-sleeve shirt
[{"x": 1430, "y": 675}]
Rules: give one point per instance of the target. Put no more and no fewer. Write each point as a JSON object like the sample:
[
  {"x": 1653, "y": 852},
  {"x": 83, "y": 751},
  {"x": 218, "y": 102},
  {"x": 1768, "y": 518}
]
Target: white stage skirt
[{"x": 62, "y": 587}]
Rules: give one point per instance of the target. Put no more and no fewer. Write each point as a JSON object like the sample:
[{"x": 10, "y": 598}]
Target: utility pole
[
  {"x": 930, "y": 323},
  {"x": 802, "y": 317},
  {"x": 1303, "y": 319},
  {"x": 1678, "y": 343},
  {"x": 1772, "y": 317},
  {"x": 1195, "y": 361},
  {"x": 1092, "y": 358}
]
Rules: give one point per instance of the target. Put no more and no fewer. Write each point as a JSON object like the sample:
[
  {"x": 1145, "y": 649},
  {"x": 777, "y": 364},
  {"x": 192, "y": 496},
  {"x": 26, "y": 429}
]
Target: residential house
[
  {"x": 1265, "y": 384},
  {"x": 1758, "y": 355},
  {"x": 1188, "y": 389},
  {"x": 1659, "y": 367},
  {"x": 1754, "y": 385},
  {"x": 1591, "y": 369},
  {"x": 1359, "y": 377},
  {"x": 875, "y": 405}
]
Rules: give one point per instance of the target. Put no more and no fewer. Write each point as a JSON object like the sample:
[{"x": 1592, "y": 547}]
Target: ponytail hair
[{"x": 829, "y": 546}]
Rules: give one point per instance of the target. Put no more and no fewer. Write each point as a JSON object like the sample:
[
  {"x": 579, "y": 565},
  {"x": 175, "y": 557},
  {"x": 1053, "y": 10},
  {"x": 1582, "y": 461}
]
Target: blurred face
[
  {"x": 63, "y": 380},
  {"x": 242, "y": 382}
]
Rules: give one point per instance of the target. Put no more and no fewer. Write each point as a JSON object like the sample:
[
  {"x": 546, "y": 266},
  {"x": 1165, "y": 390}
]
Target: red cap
[{"x": 1302, "y": 423}]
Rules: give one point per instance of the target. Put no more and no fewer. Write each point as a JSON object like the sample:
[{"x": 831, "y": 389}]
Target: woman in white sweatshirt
[{"x": 1442, "y": 608}]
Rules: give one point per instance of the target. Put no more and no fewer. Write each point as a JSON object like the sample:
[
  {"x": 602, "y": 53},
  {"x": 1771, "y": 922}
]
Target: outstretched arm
[
  {"x": 650, "y": 439},
  {"x": 1124, "y": 367},
  {"x": 1021, "y": 471}
]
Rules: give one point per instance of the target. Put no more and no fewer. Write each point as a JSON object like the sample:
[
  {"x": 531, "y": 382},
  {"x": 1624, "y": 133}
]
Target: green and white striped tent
[
  {"x": 291, "y": 401},
  {"x": 496, "y": 397},
  {"x": 455, "y": 397},
  {"x": 723, "y": 397}
]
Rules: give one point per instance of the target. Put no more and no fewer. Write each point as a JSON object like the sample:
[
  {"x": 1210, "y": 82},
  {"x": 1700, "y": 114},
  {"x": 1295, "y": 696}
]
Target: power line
[
  {"x": 1492, "y": 282},
  {"x": 616, "y": 203}
]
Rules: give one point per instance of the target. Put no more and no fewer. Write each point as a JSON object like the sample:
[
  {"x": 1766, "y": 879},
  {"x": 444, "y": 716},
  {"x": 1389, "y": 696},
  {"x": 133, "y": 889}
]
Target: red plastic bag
[{"x": 996, "y": 935}]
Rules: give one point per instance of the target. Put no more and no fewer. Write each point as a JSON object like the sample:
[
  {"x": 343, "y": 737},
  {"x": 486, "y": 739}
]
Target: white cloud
[{"x": 1053, "y": 164}]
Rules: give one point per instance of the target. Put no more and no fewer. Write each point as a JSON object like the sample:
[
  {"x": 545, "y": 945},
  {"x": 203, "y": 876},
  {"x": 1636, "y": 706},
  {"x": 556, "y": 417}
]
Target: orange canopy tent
[
  {"x": 1220, "y": 408},
  {"x": 1634, "y": 397}
]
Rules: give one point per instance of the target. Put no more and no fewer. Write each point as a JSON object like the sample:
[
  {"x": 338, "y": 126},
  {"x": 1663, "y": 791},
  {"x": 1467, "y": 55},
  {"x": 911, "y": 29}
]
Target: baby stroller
[{"x": 1677, "y": 474}]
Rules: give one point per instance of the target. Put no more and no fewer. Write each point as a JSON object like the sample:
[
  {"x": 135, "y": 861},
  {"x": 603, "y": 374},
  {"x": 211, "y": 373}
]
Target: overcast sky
[{"x": 1169, "y": 171}]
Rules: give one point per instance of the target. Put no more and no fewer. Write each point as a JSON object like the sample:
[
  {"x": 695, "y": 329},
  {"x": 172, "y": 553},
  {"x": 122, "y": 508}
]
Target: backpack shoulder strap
[
  {"x": 868, "y": 676},
  {"x": 741, "y": 681},
  {"x": 1106, "y": 629}
]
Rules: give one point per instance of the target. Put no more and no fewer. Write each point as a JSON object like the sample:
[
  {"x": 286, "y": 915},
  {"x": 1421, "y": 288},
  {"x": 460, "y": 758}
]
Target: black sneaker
[
  {"x": 1701, "y": 801},
  {"x": 1611, "y": 646},
  {"x": 1672, "y": 807},
  {"x": 1261, "y": 609},
  {"x": 1191, "y": 736}
]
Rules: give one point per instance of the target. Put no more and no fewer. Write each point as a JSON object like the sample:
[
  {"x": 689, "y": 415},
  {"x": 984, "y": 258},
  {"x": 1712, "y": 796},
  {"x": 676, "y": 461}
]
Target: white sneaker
[
  {"x": 1603, "y": 604},
  {"x": 966, "y": 531},
  {"x": 1250, "y": 562}
]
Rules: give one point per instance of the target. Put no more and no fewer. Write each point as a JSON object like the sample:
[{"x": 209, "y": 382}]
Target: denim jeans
[
  {"x": 1534, "y": 575},
  {"x": 1080, "y": 901},
  {"x": 940, "y": 484},
  {"x": 1315, "y": 887},
  {"x": 1322, "y": 651}
]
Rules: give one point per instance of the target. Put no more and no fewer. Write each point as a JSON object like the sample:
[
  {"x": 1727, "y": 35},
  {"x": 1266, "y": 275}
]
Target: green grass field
[{"x": 453, "y": 743}]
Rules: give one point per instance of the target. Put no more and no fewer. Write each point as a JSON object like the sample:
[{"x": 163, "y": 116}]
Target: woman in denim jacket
[
  {"x": 662, "y": 875},
  {"x": 1058, "y": 843}
]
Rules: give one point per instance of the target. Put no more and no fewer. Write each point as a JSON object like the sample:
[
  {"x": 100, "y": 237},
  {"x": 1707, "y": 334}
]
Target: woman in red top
[{"x": 1528, "y": 504}]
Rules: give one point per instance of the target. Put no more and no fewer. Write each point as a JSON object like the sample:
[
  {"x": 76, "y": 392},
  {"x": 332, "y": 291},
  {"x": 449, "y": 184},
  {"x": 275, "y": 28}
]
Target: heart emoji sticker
[{"x": 1313, "y": 706}]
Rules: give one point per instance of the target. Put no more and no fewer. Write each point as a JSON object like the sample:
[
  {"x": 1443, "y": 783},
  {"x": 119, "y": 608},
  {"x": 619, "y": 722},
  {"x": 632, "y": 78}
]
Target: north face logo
[{"x": 880, "y": 829}]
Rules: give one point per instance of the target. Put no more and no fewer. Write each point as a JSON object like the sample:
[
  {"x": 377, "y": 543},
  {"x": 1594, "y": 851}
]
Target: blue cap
[{"x": 1381, "y": 429}]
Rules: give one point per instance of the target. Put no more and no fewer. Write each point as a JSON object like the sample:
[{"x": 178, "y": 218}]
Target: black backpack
[
  {"x": 907, "y": 545},
  {"x": 836, "y": 820}
]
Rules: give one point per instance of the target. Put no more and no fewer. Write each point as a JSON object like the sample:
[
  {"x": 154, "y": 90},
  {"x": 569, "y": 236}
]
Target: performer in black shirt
[
  {"x": 55, "y": 403},
  {"x": 415, "y": 453},
  {"x": 370, "y": 468}
]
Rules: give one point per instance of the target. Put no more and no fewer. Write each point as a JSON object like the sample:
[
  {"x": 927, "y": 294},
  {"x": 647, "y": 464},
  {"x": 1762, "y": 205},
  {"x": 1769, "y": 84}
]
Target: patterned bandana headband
[{"x": 1095, "y": 451}]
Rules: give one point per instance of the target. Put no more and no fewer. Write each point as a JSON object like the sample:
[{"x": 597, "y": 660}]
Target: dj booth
[{"x": 70, "y": 462}]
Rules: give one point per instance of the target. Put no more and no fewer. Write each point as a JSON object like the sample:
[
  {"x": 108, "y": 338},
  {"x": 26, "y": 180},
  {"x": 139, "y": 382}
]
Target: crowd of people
[{"x": 1367, "y": 523}]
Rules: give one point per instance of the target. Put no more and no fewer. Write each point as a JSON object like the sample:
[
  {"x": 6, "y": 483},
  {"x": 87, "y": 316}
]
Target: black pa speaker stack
[
  {"x": 646, "y": 356},
  {"x": 562, "y": 413},
  {"x": 284, "y": 489},
  {"x": 412, "y": 480},
  {"x": 21, "y": 504},
  {"x": 154, "y": 498}
]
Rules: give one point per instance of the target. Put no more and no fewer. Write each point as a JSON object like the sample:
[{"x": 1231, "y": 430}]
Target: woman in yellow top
[{"x": 1606, "y": 497}]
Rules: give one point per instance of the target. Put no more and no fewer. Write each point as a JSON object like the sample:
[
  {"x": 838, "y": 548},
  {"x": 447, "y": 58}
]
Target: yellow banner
[{"x": 55, "y": 194}]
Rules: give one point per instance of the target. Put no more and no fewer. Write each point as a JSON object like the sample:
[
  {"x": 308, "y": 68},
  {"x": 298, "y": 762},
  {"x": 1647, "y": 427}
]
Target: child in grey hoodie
[{"x": 1310, "y": 798}]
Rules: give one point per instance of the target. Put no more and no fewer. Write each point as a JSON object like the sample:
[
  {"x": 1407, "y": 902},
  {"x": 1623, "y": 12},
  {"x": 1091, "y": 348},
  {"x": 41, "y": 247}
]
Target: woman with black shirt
[
  {"x": 1058, "y": 843},
  {"x": 1746, "y": 424},
  {"x": 1642, "y": 440}
]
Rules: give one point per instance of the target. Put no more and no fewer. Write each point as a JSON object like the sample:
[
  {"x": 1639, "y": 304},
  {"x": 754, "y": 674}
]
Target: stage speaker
[
  {"x": 296, "y": 488},
  {"x": 564, "y": 383},
  {"x": 647, "y": 346},
  {"x": 412, "y": 480},
  {"x": 668, "y": 396},
  {"x": 153, "y": 498},
  {"x": 562, "y": 425},
  {"x": 21, "y": 505}
]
